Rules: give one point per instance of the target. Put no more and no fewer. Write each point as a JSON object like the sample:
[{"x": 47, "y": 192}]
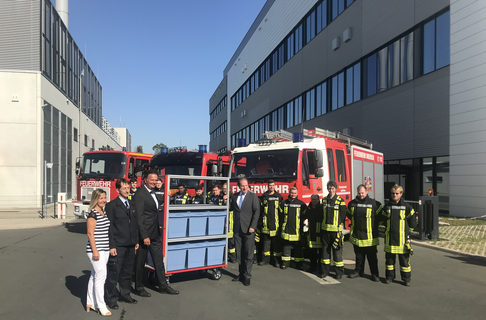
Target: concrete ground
[{"x": 44, "y": 274}]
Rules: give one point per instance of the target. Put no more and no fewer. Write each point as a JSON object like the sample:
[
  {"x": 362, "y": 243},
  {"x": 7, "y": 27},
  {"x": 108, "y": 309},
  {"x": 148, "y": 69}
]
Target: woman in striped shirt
[{"x": 98, "y": 251}]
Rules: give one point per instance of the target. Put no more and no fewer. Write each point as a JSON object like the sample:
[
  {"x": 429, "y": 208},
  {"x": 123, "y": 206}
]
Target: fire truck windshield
[
  {"x": 104, "y": 165},
  {"x": 273, "y": 164}
]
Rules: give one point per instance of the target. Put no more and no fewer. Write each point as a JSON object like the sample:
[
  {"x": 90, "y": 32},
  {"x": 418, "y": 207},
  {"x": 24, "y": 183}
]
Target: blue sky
[{"x": 159, "y": 61}]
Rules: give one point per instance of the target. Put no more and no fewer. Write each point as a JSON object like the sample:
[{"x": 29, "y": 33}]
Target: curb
[{"x": 431, "y": 246}]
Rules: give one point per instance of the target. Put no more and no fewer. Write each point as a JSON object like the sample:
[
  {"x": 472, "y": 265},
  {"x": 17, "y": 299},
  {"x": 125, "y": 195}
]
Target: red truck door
[
  {"x": 310, "y": 182},
  {"x": 339, "y": 168}
]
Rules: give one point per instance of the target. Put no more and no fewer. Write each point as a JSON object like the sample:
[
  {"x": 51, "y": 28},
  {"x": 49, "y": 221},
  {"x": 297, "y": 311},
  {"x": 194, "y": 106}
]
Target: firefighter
[
  {"x": 334, "y": 213},
  {"x": 313, "y": 239},
  {"x": 269, "y": 223},
  {"x": 180, "y": 197},
  {"x": 231, "y": 239},
  {"x": 159, "y": 191},
  {"x": 216, "y": 197},
  {"x": 399, "y": 220},
  {"x": 293, "y": 211},
  {"x": 362, "y": 212},
  {"x": 133, "y": 188},
  {"x": 198, "y": 197}
]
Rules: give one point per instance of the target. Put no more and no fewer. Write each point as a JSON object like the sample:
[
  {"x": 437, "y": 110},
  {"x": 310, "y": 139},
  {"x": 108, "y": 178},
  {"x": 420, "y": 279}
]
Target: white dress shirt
[
  {"x": 240, "y": 199},
  {"x": 153, "y": 196}
]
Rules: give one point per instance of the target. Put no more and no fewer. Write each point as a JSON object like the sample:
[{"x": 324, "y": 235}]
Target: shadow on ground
[
  {"x": 76, "y": 227},
  {"x": 478, "y": 261},
  {"x": 78, "y": 286}
]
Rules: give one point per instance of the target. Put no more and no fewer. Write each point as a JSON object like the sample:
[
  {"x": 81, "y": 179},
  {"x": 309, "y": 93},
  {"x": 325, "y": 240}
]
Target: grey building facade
[{"x": 378, "y": 70}]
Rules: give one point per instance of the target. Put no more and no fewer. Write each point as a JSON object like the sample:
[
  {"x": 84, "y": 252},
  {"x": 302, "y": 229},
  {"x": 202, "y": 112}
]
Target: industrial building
[
  {"x": 51, "y": 104},
  {"x": 405, "y": 75}
]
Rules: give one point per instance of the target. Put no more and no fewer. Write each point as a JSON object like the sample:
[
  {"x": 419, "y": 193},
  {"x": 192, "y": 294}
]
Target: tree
[
  {"x": 158, "y": 146},
  {"x": 140, "y": 149}
]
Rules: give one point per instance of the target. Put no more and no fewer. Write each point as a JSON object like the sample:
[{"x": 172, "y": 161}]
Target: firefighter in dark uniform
[
  {"x": 313, "y": 238},
  {"x": 293, "y": 212},
  {"x": 180, "y": 197},
  {"x": 216, "y": 197},
  {"x": 198, "y": 197},
  {"x": 231, "y": 240},
  {"x": 362, "y": 212},
  {"x": 269, "y": 224},
  {"x": 159, "y": 191},
  {"x": 334, "y": 213},
  {"x": 400, "y": 219},
  {"x": 133, "y": 188}
]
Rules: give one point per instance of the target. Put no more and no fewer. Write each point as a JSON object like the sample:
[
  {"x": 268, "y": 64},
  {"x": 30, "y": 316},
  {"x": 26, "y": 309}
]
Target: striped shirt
[{"x": 100, "y": 233}]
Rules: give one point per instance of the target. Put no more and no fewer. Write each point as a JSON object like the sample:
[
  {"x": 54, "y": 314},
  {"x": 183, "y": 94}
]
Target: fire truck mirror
[
  {"x": 319, "y": 159},
  {"x": 214, "y": 170},
  {"x": 319, "y": 173},
  {"x": 78, "y": 167}
]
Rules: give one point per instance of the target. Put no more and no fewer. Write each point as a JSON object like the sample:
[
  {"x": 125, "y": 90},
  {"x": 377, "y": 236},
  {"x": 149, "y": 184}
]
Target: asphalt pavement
[{"x": 44, "y": 274}]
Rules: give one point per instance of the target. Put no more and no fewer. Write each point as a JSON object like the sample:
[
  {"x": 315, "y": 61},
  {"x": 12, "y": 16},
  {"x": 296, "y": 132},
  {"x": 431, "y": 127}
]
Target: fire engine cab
[
  {"x": 308, "y": 160},
  {"x": 180, "y": 161},
  {"x": 101, "y": 169}
]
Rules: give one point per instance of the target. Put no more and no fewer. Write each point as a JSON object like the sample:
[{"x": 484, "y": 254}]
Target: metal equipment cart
[{"x": 194, "y": 236}]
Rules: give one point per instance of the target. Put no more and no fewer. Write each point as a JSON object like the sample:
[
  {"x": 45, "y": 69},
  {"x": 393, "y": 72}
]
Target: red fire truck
[
  {"x": 180, "y": 161},
  {"x": 308, "y": 160},
  {"x": 101, "y": 169}
]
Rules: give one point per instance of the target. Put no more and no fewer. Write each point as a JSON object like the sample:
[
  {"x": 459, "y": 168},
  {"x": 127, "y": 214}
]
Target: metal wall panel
[{"x": 20, "y": 35}]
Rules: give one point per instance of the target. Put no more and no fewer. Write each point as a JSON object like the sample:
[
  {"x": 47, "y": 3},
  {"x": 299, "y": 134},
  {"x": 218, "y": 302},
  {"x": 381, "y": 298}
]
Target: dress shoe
[
  {"x": 375, "y": 278},
  {"x": 168, "y": 289},
  {"x": 113, "y": 305},
  {"x": 142, "y": 293},
  {"x": 339, "y": 276},
  {"x": 246, "y": 282},
  {"x": 353, "y": 275},
  {"x": 236, "y": 279},
  {"x": 283, "y": 266},
  {"x": 127, "y": 299}
]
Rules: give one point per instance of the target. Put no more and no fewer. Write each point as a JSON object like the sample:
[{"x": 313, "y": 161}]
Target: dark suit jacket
[
  {"x": 123, "y": 224},
  {"x": 247, "y": 216},
  {"x": 147, "y": 214}
]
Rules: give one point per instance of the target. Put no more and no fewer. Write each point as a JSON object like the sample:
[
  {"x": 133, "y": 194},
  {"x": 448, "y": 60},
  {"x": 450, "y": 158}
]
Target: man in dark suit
[
  {"x": 147, "y": 209},
  {"x": 246, "y": 210},
  {"x": 123, "y": 235}
]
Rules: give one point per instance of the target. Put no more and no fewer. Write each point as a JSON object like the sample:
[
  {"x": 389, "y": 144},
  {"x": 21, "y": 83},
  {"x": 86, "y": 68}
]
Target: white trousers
[{"x": 96, "y": 284}]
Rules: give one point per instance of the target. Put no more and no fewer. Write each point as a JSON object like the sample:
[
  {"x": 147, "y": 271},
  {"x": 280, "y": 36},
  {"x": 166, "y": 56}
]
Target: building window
[
  {"x": 321, "y": 99},
  {"x": 85, "y": 140},
  {"x": 353, "y": 83},
  {"x": 310, "y": 104},
  {"x": 290, "y": 114},
  {"x": 298, "y": 110},
  {"x": 75, "y": 134},
  {"x": 406, "y": 58},
  {"x": 92, "y": 144},
  {"x": 290, "y": 46},
  {"x": 321, "y": 13},
  {"x": 436, "y": 43},
  {"x": 337, "y": 95},
  {"x": 337, "y": 8},
  {"x": 298, "y": 38},
  {"x": 310, "y": 27}
]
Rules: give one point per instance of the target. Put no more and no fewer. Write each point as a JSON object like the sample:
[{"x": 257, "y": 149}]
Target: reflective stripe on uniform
[
  {"x": 232, "y": 250},
  {"x": 406, "y": 269},
  {"x": 390, "y": 267},
  {"x": 339, "y": 263},
  {"x": 285, "y": 258},
  {"x": 326, "y": 261}
]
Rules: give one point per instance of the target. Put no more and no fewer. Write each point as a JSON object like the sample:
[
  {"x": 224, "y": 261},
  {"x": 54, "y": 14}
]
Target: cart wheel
[{"x": 216, "y": 274}]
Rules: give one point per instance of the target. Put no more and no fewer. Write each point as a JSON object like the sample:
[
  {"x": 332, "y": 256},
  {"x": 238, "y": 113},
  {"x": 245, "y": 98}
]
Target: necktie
[
  {"x": 126, "y": 204},
  {"x": 242, "y": 196}
]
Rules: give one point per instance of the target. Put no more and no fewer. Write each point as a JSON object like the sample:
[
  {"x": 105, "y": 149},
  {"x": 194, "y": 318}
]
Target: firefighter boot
[
  {"x": 339, "y": 272},
  {"x": 324, "y": 270},
  {"x": 265, "y": 260}
]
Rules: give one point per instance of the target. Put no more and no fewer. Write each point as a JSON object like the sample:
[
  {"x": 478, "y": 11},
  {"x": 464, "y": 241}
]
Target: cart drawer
[{"x": 216, "y": 222}]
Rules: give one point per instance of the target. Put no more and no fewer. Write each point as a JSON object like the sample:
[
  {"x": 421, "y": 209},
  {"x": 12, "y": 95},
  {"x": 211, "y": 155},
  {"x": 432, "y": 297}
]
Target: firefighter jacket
[
  {"x": 364, "y": 223},
  {"x": 216, "y": 200},
  {"x": 334, "y": 212},
  {"x": 178, "y": 198},
  {"x": 399, "y": 220},
  {"x": 293, "y": 212},
  {"x": 197, "y": 199},
  {"x": 314, "y": 218},
  {"x": 230, "y": 224},
  {"x": 270, "y": 211},
  {"x": 131, "y": 194}
]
